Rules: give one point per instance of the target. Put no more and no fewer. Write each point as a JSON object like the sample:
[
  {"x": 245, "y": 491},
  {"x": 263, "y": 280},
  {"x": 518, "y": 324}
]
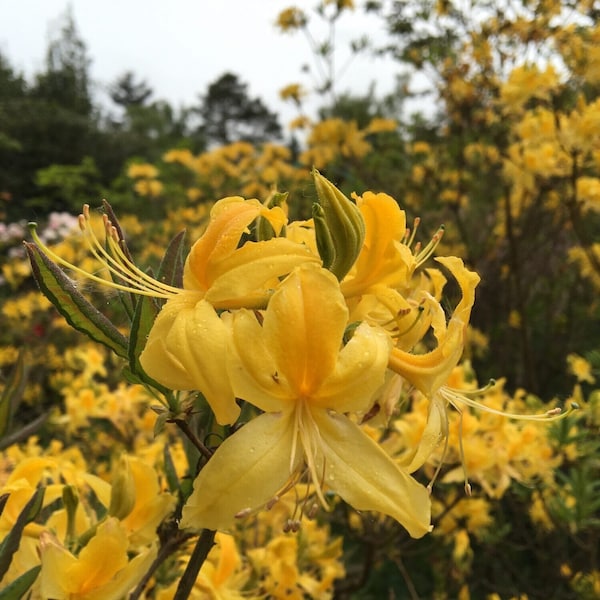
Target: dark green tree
[
  {"x": 126, "y": 91},
  {"x": 229, "y": 114}
]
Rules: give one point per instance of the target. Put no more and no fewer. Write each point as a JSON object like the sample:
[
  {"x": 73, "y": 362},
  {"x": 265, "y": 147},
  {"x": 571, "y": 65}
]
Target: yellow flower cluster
[
  {"x": 101, "y": 541},
  {"x": 332, "y": 139},
  {"x": 146, "y": 179}
]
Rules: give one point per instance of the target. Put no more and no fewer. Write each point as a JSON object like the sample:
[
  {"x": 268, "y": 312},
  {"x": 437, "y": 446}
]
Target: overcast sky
[{"x": 180, "y": 46}]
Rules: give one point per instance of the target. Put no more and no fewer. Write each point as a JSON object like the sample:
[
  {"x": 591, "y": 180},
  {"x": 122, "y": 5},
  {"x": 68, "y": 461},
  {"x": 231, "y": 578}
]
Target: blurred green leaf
[
  {"x": 19, "y": 586},
  {"x": 11, "y": 395},
  {"x": 10, "y": 543}
]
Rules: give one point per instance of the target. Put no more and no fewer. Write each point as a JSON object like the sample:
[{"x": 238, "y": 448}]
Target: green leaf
[
  {"x": 19, "y": 586},
  {"x": 70, "y": 303},
  {"x": 170, "y": 471},
  {"x": 10, "y": 543},
  {"x": 170, "y": 270},
  {"x": 11, "y": 395}
]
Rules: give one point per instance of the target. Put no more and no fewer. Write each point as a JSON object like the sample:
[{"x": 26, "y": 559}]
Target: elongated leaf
[
  {"x": 11, "y": 395},
  {"x": 11, "y": 542},
  {"x": 17, "y": 589},
  {"x": 171, "y": 266},
  {"x": 170, "y": 471},
  {"x": 78, "y": 311}
]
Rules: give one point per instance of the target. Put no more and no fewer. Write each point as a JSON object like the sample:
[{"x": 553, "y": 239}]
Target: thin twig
[
  {"x": 186, "y": 583},
  {"x": 183, "y": 425}
]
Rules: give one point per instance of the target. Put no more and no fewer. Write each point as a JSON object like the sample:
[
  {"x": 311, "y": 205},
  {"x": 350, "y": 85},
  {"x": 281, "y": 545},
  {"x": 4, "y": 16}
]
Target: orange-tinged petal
[
  {"x": 229, "y": 219},
  {"x": 304, "y": 326},
  {"x": 367, "y": 478},
  {"x": 246, "y": 471},
  {"x": 428, "y": 372},
  {"x": 247, "y": 276},
  {"x": 380, "y": 261},
  {"x": 99, "y": 561}
]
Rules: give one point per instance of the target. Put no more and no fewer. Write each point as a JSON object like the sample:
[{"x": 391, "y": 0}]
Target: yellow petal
[
  {"x": 246, "y": 471},
  {"x": 247, "y": 276},
  {"x": 127, "y": 578},
  {"x": 303, "y": 327},
  {"x": 359, "y": 372},
  {"x": 253, "y": 371},
  {"x": 229, "y": 218},
  {"x": 192, "y": 340},
  {"x": 359, "y": 471},
  {"x": 156, "y": 359},
  {"x": 428, "y": 372},
  {"x": 56, "y": 560},
  {"x": 380, "y": 260},
  {"x": 103, "y": 556},
  {"x": 431, "y": 436}
]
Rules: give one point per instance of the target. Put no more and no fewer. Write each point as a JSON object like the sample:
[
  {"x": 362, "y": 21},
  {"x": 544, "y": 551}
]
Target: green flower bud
[
  {"x": 122, "y": 497},
  {"x": 70, "y": 499},
  {"x": 342, "y": 223}
]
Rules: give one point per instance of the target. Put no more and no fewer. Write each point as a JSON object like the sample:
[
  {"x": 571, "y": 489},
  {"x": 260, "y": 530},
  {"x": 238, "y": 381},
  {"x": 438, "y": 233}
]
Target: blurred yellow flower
[
  {"x": 142, "y": 171},
  {"x": 101, "y": 571},
  {"x": 290, "y": 19},
  {"x": 581, "y": 368}
]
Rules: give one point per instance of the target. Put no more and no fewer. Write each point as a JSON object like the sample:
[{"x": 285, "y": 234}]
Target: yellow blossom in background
[
  {"x": 182, "y": 156},
  {"x": 588, "y": 193},
  {"x": 581, "y": 368},
  {"x": 381, "y": 125},
  {"x": 301, "y": 122},
  {"x": 528, "y": 81},
  {"x": 290, "y": 19},
  {"x": 293, "y": 91},
  {"x": 334, "y": 138},
  {"x": 101, "y": 571},
  {"x": 142, "y": 171},
  {"x": 148, "y": 187}
]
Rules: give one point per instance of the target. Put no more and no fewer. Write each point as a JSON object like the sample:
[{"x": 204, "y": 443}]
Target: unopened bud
[
  {"x": 122, "y": 496},
  {"x": 70, "y": 499},
  {"x": 342, "y": 228}
]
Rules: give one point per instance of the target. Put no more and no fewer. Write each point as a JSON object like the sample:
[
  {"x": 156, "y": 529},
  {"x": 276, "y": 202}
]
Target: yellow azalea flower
[
  {"x": 142, "y": 171},
  {"x": 185, "y": 348},
  {"x": 429, "y": 372},
  {"x": 150, "y": 505},
  {"x": 383, "y": 274},
  {"x": 102, "y": 571},
  {"x": 293, "y": 368}
]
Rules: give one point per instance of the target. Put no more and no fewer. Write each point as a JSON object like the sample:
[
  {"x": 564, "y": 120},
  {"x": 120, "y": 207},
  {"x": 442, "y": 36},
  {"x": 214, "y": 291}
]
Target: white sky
[{"x": 180, "y": 46}]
